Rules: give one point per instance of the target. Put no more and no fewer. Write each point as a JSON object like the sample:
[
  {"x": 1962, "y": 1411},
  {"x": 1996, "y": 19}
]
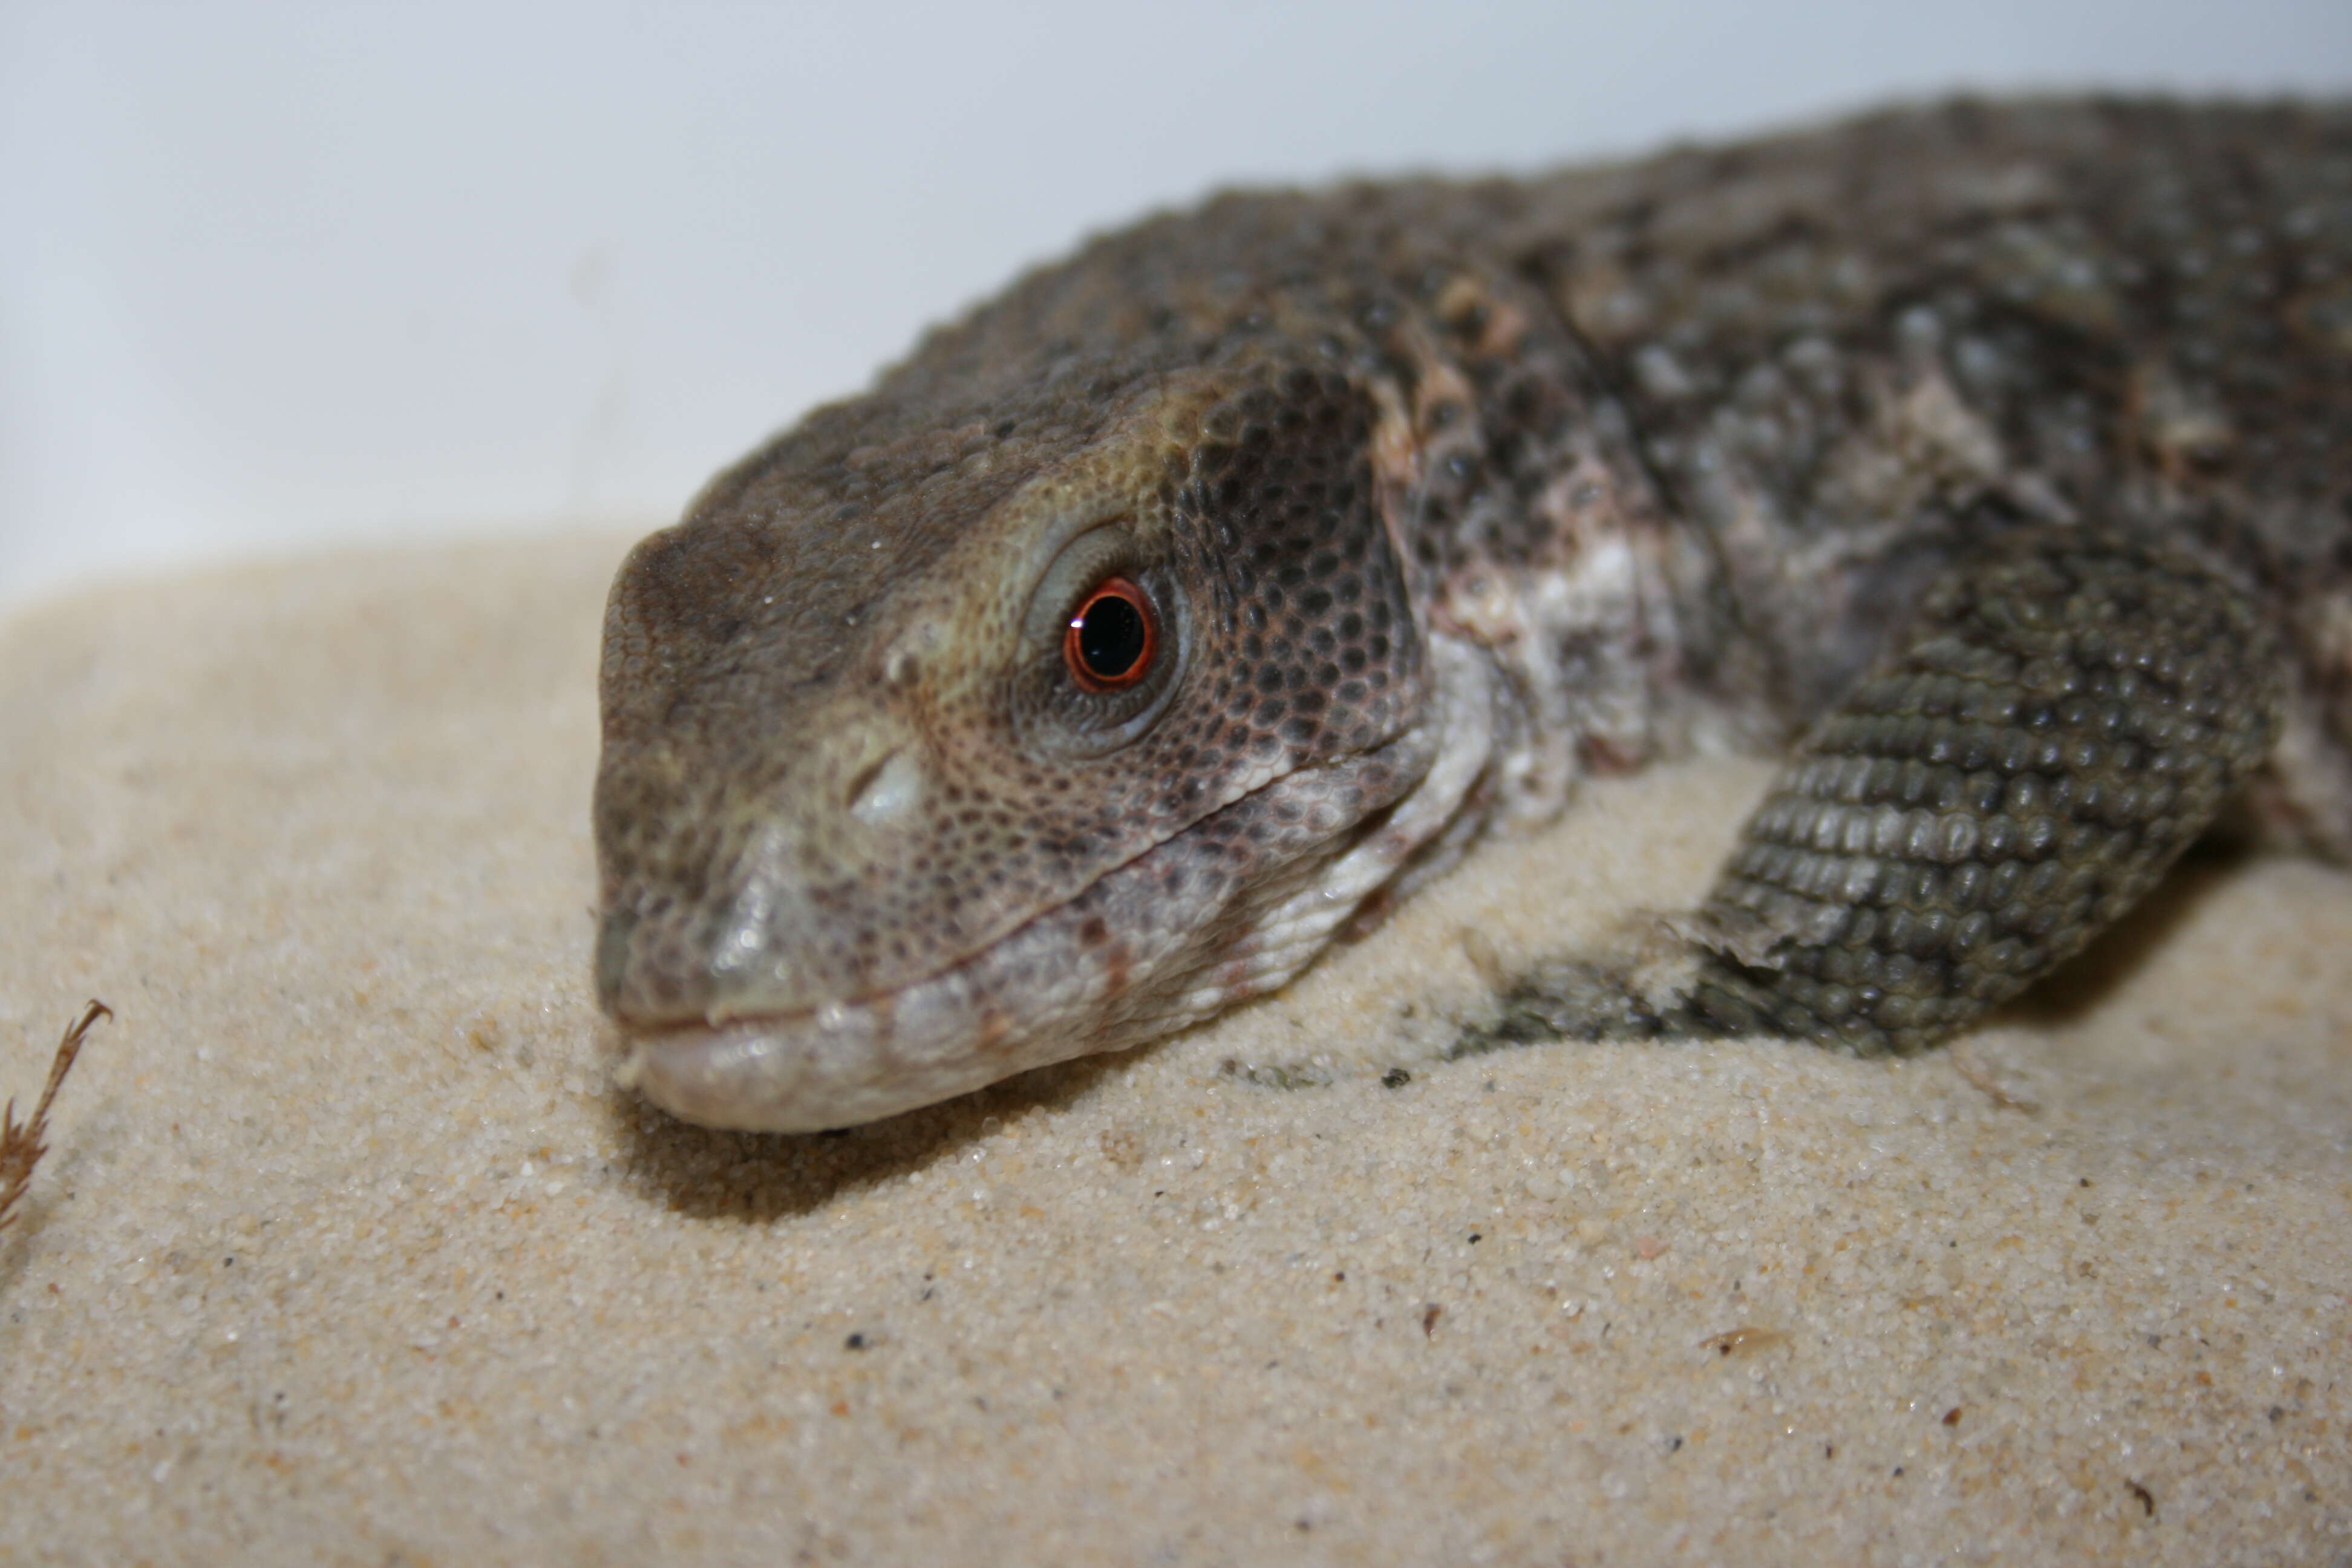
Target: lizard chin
[{"x": 1232, "y": 907}]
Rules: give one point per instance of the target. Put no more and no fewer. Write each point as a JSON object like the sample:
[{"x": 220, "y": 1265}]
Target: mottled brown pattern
[{"x": 1448, "y": 494}]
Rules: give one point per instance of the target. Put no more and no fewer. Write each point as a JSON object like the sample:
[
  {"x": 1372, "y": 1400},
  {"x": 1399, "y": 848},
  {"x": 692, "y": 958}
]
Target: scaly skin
[{"x": 1999, "y": 458}]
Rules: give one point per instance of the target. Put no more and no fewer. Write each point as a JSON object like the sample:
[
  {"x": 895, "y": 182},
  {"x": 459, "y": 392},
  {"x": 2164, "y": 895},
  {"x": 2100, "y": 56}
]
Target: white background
[{"x": 276, "y": 274}]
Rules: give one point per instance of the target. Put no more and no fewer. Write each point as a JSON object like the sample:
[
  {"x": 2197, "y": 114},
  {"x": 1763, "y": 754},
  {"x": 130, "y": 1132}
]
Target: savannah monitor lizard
[{"x": 1172, "y": 613}]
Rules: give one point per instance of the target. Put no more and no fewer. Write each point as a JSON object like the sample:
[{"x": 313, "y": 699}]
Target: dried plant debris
[{"x": 20, "y": 1142}]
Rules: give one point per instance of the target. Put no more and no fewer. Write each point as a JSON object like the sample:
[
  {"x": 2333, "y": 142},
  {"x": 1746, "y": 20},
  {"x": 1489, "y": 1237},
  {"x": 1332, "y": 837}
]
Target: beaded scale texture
[{"x": 1172, "y": 613}]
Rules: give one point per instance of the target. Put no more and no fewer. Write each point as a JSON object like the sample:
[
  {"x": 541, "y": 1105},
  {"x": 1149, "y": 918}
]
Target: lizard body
[{"x": 1177, "y": 608}]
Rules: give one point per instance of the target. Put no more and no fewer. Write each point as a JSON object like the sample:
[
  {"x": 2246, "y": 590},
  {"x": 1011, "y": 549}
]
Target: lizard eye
[
  {"x": 1110, "y": 642},
  {"x": 1102, "y": 650}
]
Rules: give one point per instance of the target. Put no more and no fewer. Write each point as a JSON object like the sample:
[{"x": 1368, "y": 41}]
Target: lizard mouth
[
  {"x": 1040, "y": 994},
  {"x": 1162, "y": 941}
]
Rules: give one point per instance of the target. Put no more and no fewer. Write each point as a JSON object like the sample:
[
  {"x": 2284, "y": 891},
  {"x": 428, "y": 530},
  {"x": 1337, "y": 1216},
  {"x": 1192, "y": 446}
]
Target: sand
[{"x": 346, "y": 1249}]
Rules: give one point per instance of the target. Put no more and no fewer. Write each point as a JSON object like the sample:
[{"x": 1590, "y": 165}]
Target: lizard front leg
[{"x": 2063, "y": 717}]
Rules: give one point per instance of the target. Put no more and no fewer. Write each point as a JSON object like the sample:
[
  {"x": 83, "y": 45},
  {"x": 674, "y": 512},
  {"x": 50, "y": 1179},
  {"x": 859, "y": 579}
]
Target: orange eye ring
[{"x": 1112, "y": 639}]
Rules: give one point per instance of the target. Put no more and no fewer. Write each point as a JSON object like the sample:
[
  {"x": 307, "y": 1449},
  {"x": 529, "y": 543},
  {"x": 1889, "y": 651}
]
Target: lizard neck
[{"x": 1539, "y": 538}]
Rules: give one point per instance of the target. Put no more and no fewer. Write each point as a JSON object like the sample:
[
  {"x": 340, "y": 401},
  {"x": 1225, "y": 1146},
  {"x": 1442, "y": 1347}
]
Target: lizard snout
[{"x": 777, "y": 892}]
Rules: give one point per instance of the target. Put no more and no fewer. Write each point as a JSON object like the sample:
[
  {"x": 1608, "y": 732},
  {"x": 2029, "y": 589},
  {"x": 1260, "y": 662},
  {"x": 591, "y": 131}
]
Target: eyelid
[
  {"x": 1101, "y": 552},
  {"x": 1058, "y": 717}
]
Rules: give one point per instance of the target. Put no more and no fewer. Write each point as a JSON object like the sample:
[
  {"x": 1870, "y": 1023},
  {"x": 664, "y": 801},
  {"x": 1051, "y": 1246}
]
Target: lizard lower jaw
[
  {"x": 1189, "y": 930},
  {"x": 798, "y": 1073},
  {"x": 1044, "y": 994},
  {"x": 1038, "y": 996}
]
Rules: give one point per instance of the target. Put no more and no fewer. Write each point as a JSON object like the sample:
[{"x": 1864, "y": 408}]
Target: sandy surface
[{"x": 346, "y": 1251}]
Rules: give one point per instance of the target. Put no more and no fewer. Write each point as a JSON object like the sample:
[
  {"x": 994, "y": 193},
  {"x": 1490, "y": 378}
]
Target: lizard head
[{"x": 945, "y": 741}]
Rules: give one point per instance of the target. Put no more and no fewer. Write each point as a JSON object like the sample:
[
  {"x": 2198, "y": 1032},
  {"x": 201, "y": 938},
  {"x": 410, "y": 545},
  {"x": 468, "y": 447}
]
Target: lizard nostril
[{"x": 887, "y": 790}]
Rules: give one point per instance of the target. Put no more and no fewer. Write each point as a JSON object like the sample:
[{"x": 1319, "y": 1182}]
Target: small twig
[
  {"x": 1982, "y": 1078},
  {"x": 20, "y": 1142}
]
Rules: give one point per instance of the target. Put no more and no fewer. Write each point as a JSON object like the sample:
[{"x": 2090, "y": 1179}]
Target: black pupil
[{"x": 1111, "y": 637}]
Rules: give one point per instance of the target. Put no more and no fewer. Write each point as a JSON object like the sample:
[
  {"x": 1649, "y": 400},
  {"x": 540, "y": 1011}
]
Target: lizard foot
[{"x": 2064, "y": 719}]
